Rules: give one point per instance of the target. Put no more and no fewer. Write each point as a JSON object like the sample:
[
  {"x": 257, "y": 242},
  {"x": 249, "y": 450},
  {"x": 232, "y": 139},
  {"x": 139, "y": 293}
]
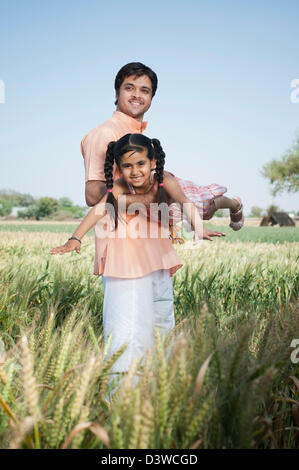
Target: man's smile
[
  {"x": 134, "y": 96},
  {"x": 136, "y": 103}
]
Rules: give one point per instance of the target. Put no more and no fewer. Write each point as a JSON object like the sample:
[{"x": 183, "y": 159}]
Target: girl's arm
[
  {"x": 92, "y": 217},
  {"x": 175, "y": 192}
]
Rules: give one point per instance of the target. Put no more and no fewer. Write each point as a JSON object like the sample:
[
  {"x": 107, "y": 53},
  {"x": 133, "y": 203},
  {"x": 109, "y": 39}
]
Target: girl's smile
[{"x": 136, "y": 167}]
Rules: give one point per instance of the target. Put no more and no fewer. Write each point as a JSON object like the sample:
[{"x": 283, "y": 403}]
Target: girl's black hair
[{"x": 116, "y": 150}]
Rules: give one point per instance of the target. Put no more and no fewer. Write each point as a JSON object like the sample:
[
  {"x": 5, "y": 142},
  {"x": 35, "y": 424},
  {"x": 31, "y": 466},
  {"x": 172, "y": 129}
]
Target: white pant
[{"x": 131, "y": 311}]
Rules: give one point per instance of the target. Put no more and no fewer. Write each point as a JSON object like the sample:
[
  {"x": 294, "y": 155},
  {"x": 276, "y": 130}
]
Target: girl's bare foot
[{"x": 237, "y": 216}]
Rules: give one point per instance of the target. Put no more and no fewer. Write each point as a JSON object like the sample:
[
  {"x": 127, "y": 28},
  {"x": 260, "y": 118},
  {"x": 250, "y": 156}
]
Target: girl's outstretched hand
[
  {"x": 206, "y": 235},
  {"x": 70, "y": 245}
]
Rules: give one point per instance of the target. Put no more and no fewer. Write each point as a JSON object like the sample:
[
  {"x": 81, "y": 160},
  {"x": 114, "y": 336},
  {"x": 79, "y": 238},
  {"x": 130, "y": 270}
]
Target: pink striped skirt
[{"x": 202, "y": 196}]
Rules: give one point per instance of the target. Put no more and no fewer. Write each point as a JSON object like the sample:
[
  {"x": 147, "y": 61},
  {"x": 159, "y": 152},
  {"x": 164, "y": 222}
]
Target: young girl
[
  {"x": 136, "y": 270},
  {"x": 207, "y": 199}
]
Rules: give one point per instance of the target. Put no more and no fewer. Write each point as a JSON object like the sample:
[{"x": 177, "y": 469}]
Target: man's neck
[{"x": 138, "y": 118}]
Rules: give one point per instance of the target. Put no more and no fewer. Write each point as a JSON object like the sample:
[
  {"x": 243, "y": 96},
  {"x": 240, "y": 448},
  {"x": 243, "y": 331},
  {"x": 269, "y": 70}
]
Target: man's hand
[{"x": 70, "y": 245}]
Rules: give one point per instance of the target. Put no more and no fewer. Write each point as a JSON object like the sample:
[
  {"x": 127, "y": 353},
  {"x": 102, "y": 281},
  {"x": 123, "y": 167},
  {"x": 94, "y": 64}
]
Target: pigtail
[
  {"x": 160, "y": 161},
  {"x": 108, "y": 170},
  {"x": 108, "y": 165}
]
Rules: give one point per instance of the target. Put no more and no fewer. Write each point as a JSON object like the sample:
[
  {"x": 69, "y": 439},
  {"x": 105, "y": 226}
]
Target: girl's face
[{"x": 136, "y": 167}]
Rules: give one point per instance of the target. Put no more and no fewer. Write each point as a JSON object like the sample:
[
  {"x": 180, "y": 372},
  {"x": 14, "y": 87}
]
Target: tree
[
  {"x": 17, "y": 199},
  {"x": 46, "y": 206},
  {"x": 5, "y": 207},
  {"x": 26, "y": 200},
  {"x": 29, "y": 213},
  {"x": 256, "y": 212},
  {"x": 65, "y": 202},
  {"x": 52, "y": 208},
  {"x": 284, "y": 174}
]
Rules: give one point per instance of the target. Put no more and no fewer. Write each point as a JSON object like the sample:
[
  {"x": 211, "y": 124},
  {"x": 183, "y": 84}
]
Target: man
[{"x": 135, "y": 86}]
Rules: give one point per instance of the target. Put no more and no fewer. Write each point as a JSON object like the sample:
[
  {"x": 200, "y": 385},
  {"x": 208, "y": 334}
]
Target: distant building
[
  {"x": 280, "y": 218},
  {"x": 15, "y": 210}
]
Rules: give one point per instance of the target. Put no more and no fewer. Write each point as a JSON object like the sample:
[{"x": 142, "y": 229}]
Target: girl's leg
[
  {"x": 236, "y": 210},
  {"x": 220, "y": 202},
  {"x": 223, "y": 202},
  {"x": 128, "y": 317}
]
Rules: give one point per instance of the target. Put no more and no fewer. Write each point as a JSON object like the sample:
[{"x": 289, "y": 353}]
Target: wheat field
[{"x": 223, "y": 378}]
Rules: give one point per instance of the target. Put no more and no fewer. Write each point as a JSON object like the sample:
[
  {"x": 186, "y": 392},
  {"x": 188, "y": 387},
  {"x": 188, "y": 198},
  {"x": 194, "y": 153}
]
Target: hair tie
[
  {"x": 109, "y": 190},
  {"x": 161, "y": 184}
]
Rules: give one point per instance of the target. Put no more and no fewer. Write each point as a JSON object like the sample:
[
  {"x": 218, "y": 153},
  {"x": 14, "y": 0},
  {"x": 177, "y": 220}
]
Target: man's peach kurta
[{"x": 94, "y": 145}]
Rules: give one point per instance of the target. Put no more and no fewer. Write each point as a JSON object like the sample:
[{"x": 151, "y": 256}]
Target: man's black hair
[{"x": 137, "y": 69}]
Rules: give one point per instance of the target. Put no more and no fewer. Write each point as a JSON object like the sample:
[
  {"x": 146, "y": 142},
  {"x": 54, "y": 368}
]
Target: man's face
[{"x": 135, "y": 96}]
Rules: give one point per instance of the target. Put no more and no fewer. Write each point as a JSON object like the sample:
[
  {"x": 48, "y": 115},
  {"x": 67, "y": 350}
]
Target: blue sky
[{"x": 221, "y": 111}]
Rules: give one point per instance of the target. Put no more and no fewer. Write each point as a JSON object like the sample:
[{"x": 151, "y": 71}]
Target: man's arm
[
  {"x": 93, "y": 149},
  {"x": 94, "y": 191}
]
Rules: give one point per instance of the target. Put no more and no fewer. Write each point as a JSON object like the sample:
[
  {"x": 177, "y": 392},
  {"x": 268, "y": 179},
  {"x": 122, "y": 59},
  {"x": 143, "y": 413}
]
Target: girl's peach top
[{"x": 136, "y": 248}]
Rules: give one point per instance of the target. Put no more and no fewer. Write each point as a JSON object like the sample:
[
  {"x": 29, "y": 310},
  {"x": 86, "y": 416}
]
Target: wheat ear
[{"x": 30, "y": 388}]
